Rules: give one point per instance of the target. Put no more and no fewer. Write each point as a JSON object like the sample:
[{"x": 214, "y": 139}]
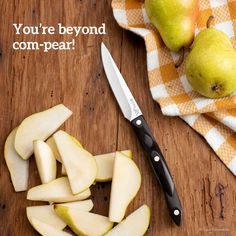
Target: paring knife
[{"x": 132, "y": 112}]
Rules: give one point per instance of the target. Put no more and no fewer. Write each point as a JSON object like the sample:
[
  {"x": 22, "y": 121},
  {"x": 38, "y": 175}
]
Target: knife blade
[{"x": 132, "y": 112}]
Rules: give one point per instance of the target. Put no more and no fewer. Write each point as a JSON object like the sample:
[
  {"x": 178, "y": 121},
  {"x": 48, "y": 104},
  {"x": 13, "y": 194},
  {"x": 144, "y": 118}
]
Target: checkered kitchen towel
[{"x": 214, "y": 119}]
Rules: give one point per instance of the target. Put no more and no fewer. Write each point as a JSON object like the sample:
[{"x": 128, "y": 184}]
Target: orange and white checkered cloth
[{"x": 214, "y": 119}]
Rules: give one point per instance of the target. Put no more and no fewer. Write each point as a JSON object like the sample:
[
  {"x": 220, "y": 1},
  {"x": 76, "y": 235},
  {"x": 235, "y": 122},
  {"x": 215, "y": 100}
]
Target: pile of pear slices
[{"x": 67, "y": 195}]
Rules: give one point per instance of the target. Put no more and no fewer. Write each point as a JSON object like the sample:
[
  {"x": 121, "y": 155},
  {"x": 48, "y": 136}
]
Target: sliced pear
[
  {"x": 63, "y": 169},
  {"x": 136, "y": 224},
  {"x": 39, "y": 126},
  {"x": 18, "y": 168},
  {"x": 76, "y": 141},
  {"x": 80, "y": 165},
  {"x": 105, "y": 163},
  {"x": 45, "y": 160},
  {"x": 53, "y": 146},
  {"x": 126, "y": 182},
  {"x": 57, "y": 190},
  {"x": 51, "y": 143},
  {"x": 86, "y": 205},
  {"x": 45, "y": 214},
  {"x": 45, "y": 229},
  {"x": 128, "y": 153},
  {"x": 84, "y": 223}
]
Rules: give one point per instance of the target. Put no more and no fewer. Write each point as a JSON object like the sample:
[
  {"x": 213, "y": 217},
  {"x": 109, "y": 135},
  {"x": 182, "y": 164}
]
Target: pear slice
[
  {"x": 84, "y": 223},
  {"x": 136, "y": 224},
  {"x": 105, "y": 163},
  {"x": 46, "y": 229},
  {"x": 45, "y": 214},
  {"x": 39, "y": 126},
  {"x": 53, "y": 146},
  {"x": 86, "y": 205},
  {"x": 76, "y": 141},
  {"x": 18, "y": 168},
  {"x": 51, "y": 143},
  {"x": 80, "y": 165},
  {"x": 63, "y": 169},
  {"x": 126, "y": 182},
  {"x": 128, "y": 153},
  {"x": 57, "y": 190},
  {"x": 46, "y": 162}
]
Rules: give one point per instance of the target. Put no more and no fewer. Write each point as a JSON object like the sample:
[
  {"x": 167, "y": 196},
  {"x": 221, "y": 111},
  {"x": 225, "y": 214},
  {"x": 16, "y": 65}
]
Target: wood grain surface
[{"x": 32, "y": 81}]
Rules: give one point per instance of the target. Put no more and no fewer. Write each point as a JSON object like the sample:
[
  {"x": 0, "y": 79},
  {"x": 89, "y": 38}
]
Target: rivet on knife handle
[{"x": 159, "y": 166}]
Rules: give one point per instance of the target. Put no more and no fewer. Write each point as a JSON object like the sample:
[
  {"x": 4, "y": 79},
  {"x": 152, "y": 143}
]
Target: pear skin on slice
[{"x": 84, "y": 223}]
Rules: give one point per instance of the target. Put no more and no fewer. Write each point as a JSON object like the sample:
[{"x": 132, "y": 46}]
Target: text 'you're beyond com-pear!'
[{"x": 59, "y": 29}]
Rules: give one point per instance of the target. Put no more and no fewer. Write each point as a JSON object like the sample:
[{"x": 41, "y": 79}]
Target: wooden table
[{"x": 32, "y": 81}]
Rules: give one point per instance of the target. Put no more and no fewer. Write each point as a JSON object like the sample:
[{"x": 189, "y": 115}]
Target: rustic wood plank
[{"x": 32, "y": 81}]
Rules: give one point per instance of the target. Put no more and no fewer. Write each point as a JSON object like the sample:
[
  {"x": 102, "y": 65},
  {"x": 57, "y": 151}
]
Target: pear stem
[
  {"x": 181, "y": 58},
  {"x": 209, "y": 21}
]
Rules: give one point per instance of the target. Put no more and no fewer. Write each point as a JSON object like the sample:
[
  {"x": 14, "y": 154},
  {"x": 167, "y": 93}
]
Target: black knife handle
[{"x": 160, "y": 167}]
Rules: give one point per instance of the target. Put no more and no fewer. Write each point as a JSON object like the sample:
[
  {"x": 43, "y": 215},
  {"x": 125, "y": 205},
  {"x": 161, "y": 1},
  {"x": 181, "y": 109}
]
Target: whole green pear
[
  {"x": 175, "y": 20},
  {"x": 211, "y": 65}
]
